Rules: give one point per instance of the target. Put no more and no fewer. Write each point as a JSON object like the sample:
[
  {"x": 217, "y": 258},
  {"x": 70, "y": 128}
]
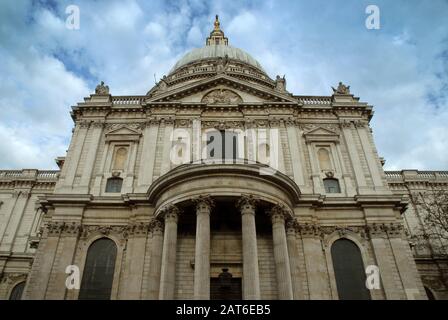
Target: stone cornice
[{"x": 367, "y": 231}]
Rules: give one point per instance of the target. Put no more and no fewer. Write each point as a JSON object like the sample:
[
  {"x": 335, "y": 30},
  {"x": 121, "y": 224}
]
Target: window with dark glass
[
  {"x": 349, "y": 271},
  {"x": 114, "y": 184},
  {"x": 99, "y": 269},
  {"x": 332, "y": 185},
  {"x": 16, "y": 293}
]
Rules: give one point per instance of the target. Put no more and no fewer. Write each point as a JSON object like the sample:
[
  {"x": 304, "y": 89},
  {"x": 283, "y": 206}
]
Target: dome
[
  {"x": 216, "y": 51},
  {"x": 217, "y": 45}
]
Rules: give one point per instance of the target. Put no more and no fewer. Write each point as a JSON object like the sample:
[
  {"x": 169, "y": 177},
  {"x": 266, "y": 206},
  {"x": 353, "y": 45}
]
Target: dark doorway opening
[{"x": 225, "y": 287}]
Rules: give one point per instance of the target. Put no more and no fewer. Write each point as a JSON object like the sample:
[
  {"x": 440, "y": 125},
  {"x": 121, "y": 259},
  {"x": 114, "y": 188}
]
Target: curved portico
[{"x": 206, "y": 189}]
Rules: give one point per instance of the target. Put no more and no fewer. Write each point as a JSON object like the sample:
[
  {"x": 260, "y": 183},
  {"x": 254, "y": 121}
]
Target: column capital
[
  {"x": 279, "y": 213},
  {"x": 204, "y": 203},
  {"x": 247, "y": 204},
  {"x": 155, "y": 226},
  {"x": 170, "y": 213},
  {"x": 292, "y": 226}
]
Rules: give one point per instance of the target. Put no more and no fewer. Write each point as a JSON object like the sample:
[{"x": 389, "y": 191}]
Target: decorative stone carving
[
  {"x": 168, "y": 121},
  {"x": 309, "y": 230},
  {"x": 184, "y": 123},
  {"x": 84, "y": 124},
  {"x": 122, "y": 230},
  {"x": 170, "y": 212},
  {"x": 136, "y": 126},
  {"x": 138, "y": 229},
  {"x": 279, "y": 212},
  {"x": 102, "y": 89},
  {"x": 97, "y": 124},
  {"x": 222, "y": 125},
  {"x": 391, "y": 230},
  {"x": 204, "y": 202},
  {"x": 341, "y": 89},
  {"x": 11, "y": 278},
  {"x": 344, "y": 230},
  {"x": 54, "y": 228},
  {"x": 71, "y": 229},
  {"x": 329, "y": 174},
  {"x": 280, "y": 84},
  {"x": 221, "y": 64},
  {"x": 313, "y": 126},
  {"x": 247, "y": 202},
  {"x": 292, "y": 226},
  {"x": 360, "y": 123},
  {"x": 162, "y": 85},
  {"x": 222, "y": 96},
  {"x": 346, "y": 124},
  {"x": 155, "y": 225}
]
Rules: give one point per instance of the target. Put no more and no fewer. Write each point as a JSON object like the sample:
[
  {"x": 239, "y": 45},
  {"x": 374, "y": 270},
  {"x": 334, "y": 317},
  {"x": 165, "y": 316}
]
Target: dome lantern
[{"x": 217, "y": 35}]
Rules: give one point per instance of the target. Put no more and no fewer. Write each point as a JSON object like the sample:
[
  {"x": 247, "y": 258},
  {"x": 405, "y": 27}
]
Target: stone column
[
  {"x": 291, "y": 235},
  {"x": 73, "y": 156},
  {"x": 251, "y": 277},
  {"x": 281, "y": 257},
  {"x": 202, "y": 253},
  {"x": 168, "y": 272},
  {"x": 97, "y": 130},
  {"x": 315, "y": 263},
  {"x": 155, "y": 263},
  {"x": 354, "y": 156},
  {"x": 64, "y": 256},
  {"x": 147, "y": 159},
  {"x": 37, "y": 283},
  {"x": 167, "y": 145}
]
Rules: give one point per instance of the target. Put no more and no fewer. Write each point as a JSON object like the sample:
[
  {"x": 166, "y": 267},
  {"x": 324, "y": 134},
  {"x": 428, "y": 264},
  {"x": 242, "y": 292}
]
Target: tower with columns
[{"x": 217, "y": 172}]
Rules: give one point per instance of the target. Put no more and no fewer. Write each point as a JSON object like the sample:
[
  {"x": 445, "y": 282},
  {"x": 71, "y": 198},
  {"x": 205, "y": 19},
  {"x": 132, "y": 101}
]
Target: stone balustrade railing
[
  {"x": 415, "y": 175},
  {"x": 314, "y": 100},
  {"x": 29, "y": 174},
  {"x": 127, "y": 100}
]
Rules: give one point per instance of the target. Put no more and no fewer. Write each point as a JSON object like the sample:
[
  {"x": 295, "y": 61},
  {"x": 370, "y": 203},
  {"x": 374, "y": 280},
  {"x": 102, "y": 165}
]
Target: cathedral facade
[{"x": 216, "y": 184}]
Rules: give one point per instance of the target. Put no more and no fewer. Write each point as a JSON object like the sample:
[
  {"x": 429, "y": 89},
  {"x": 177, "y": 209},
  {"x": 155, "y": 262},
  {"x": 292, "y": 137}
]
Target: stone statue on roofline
[
  {"x": 280, "y": 83},
  {"x": 222, "y": 64},
  {"x": 341, "y": 89},
  {"x": 102, "y": 89}
]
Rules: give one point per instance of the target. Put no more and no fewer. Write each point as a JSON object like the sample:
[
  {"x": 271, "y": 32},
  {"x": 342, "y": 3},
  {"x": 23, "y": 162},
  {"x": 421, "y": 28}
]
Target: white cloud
[{"x": 46, "y": 68}]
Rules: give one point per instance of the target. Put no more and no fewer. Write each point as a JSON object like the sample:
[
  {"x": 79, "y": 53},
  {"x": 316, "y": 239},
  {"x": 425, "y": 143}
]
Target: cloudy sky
[{"x": 401, "y": 69}]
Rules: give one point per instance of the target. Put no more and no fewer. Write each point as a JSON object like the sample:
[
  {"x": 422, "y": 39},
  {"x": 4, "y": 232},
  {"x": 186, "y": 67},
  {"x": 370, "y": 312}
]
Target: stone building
[{"x": 216, "y": 184}]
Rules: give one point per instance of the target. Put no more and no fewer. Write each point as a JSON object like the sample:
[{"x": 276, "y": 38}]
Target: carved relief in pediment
[{"x": 221, "y": 96}]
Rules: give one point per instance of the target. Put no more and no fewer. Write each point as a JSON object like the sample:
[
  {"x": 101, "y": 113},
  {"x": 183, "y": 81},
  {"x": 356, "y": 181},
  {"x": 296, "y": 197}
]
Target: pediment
[
  {"x": 321, "y": 134},
  {"x": 123, "y": 134},
  {"x": 222, "y": 89}
]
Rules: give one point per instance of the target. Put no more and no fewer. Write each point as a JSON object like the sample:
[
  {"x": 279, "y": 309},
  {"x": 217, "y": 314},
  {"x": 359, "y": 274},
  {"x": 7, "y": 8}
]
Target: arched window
[
  {"x": 332, "y": 185},
  {"x": 99, "y": 270},
  {"x": 16, "y": 293},
  {"x": 429, "y": 294},
  {"x": 324, "y": 159},
  {"x": 120, "y": 158},
  {"x": 114, "y": 184},
  {"x": 349, "y": 271}
]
